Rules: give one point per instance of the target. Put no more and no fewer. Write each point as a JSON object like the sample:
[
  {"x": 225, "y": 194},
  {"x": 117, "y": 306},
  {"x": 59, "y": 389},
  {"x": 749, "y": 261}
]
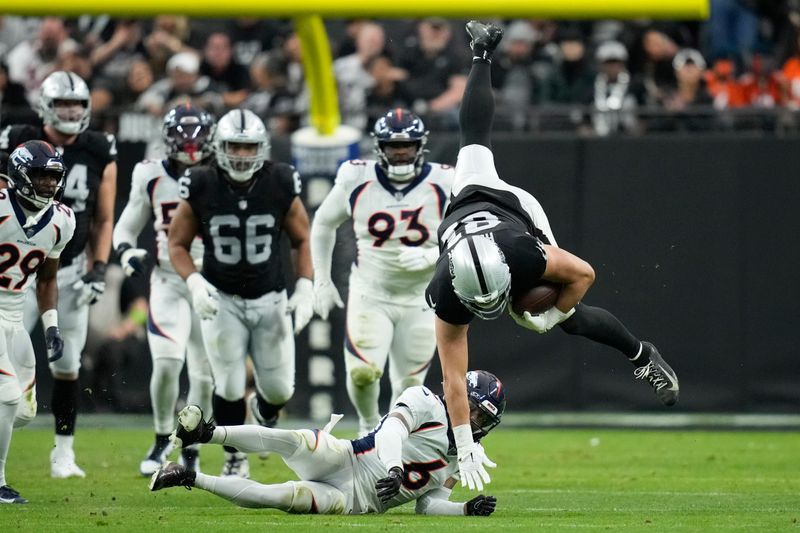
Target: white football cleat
[
  {"x": 62, "y": 465},
  {"x": 156, "y": 456},
  {"x": 236, "y": 465}
]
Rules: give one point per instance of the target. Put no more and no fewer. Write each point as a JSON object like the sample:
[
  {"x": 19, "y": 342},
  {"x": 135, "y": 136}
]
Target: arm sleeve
[
  {"x": 389, "y": 442},
  {"x": 435, "y": 502},
  {"x": 135, "y": 215},
  {"x": 329, "y": 216}
]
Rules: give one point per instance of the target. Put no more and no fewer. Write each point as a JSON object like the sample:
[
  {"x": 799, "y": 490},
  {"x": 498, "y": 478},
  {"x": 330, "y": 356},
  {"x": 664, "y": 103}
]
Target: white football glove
[
  {"x": 302, "y": 303},
  {"x": 415, "y": 259},
  {"x": 325, "y": 297},
  {"x": 91, "y": 286},
  {"x": 543, "y": 322},
  {"x": 133, "y": 260},
  {"x": 472, "y": 459},
  {"x": 204, "y": 296}
]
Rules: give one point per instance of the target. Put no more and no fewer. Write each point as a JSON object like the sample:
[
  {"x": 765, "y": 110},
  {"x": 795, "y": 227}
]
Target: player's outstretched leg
[
  {"x": 659, "y": 374},
  {"x": 172, "y": 475},
  {"x": 477, "y": 106}
]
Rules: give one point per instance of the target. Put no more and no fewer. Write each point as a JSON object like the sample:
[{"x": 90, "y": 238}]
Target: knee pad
[
  {"x": 10, "y": 392},
  {"x": 364, "y": 376},
  {"x": 316, "y": 498}
]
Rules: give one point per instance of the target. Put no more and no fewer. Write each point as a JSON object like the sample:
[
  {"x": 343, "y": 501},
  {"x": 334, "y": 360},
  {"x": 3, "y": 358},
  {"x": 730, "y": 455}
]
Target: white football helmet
[
  {"x": 63, "y": 85},
  {"x": 480, "y": 275},
  {"x": 240, "y": 126}
]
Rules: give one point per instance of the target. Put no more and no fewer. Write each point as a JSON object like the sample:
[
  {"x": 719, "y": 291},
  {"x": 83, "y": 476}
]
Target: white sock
[
  {"x": 200, "y": 391},
  {"x": 248, "y": 493},
  {"x": 64, "y": 443},
  {"x": 365, "y": 400},
  {"x": 250, "y": 439},
  {"x": 7, "y": 412},
  {"x": 164, "y": 388}
]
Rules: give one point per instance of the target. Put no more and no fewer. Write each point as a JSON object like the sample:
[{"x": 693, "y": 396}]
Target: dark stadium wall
[{"x": 695, "y": 244}]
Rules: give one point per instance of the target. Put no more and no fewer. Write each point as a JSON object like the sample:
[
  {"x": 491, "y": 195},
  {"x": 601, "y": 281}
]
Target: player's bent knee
[
  {"x": 24, "y": 416},
  {"x": 10, "y": 392},
  {"x": 316, "y": 498},
  {"x": 277, "y": 394}
]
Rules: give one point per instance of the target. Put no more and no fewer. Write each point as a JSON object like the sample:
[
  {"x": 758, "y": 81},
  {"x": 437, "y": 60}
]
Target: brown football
[{"x": 537, "y": 300}]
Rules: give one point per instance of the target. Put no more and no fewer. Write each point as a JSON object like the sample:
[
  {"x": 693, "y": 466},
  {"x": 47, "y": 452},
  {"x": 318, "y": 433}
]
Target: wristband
[{"x": 50, "y": 319}]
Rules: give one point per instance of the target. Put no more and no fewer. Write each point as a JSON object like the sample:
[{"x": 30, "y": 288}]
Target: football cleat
[
  {"x": 659, "y": 374},
  {"x": 191, "y": 428},
  {"x": 172, "y": 475},
  {"x": 62, "y": 465},
  {"x": 236, "y": 465},
  {"x": 9, "y": 495},
  {"x": 190, "y": 458},
  {"x": 156, "y": 456},
  {"x": 484, "y": 39}
]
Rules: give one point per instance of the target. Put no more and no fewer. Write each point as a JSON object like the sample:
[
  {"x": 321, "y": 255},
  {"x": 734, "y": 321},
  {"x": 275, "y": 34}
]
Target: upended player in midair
[
  {"x": 496, "y": 244},
  {"x": 396, "y": 203},
  {"x": 242, "y": 205},
  {"x": 410, "y": 456},
  {"x": 173, "y": 328},
  {"x": 34, "y": 229}
]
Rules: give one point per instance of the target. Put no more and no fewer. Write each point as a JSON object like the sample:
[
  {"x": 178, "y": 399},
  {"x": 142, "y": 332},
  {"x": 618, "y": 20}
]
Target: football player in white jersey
[
  {"x": 396, "y": 204},
  {"x": 173, "y": 329},
  {"x": 410, "y": 456},
  {"x": 90, "y": 191},
  {"x": 34, "y": 229}
]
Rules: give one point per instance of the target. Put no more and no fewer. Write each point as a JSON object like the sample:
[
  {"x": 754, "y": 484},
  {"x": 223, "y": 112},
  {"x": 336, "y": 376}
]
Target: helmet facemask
[
  {"x": 400, "y": 126},
  {"x": 65, "y": 103},
  {"x": 39, "y": 186},
  {"x": 483, "y": 417},
  {"x": 401, "y": 166},
  {"x": 188, "y": 141},
  {"x": 241, "y": 144}
]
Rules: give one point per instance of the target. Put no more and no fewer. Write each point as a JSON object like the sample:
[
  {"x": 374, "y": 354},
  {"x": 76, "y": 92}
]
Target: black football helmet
[
  {"x": 36, "y": 173},
  {"x": 487, "y": 402},
  {"x": 187, "y": 131},
  {"x": 400, "y": 126}
]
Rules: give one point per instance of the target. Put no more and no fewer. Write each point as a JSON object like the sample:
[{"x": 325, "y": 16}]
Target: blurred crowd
[{"x": 596, "y": 77}]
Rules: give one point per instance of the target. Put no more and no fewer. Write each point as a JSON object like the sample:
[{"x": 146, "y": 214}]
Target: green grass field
[{"x": 547, "y": 480}]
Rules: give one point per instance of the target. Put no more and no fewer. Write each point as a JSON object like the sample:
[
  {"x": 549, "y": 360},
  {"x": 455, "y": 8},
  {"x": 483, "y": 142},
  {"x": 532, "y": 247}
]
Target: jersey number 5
[
  {"x": 257, "y": 244},
  {"x": 381, "y": 226}
]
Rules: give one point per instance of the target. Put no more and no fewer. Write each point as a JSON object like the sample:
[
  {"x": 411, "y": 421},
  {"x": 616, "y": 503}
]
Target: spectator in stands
[
  {"x": 688, "y": 101},
  {"x": 658, "y": 74},
  {"x": 572, "y": 80},
  {"x": 513, "y": 74},
  {"x": 436, "y": 70},
  {"x": 252, "y": 36},
  {"x": 113, "y": 58},
  {"x": 183, "y": 83},
  {"x": 231, "y": 78},
  {"x": 14, "y": 107},
  {"x": 761, "y": 83},
  {"x": 732, "y": 30},
  {"x": 389, "y": 90},
  {"x": 111, "y": 102},
  {"x": 31, "y": 61},
  {"x": 168, "y": 36},
  {"x": 790, "y": 78},
  {"x": 616, "y": 94},
  {"x": 270, "y": 98},
  {"x": 352, "y": 78},
  {"x": 723, "y": 85},
  {"x": 14, "y": 30},
  {"x": 73, "y": 57}
]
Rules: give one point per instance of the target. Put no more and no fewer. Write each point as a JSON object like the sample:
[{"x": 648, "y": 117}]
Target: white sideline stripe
[{"x": 651, "y": 420}]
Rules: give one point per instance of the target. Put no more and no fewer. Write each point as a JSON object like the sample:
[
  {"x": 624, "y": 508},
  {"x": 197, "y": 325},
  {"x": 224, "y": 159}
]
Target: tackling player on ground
[
  {"x": 496, "y": 244},
  {"x": 34, "y": 229},
  {"x": 90, "y": 191},
  {"x": 173, "y": 329},
  {"x": 396, "y": 204},
  {"x": 242, "y": 205},
  {"x": 410, "y": 456}
]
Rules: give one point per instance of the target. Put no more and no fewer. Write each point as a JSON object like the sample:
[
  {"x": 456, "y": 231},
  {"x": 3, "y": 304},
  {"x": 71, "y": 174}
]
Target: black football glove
[
  {"x": 54, "y": 343},
  {"x": 92, "y": 285},
  {"x": 481, "y": 505},
  {"x": 389, "y": 486}
]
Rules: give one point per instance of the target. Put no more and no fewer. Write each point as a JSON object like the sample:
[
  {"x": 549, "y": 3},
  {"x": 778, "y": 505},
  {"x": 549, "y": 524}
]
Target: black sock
[
  {"x": 162, "y": 439},
  {"x": 597, "y": 324},
  {"x": 268, "y": 411},
  {"x": 477, "y": 107},
  {"x": 228, "y": 414},
  {"x": 64, "y": 404}
]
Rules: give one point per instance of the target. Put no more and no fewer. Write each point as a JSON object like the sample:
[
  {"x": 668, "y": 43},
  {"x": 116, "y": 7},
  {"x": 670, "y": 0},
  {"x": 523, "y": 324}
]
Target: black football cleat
[
  {"x": 484, "y": 39},
  {"x": 190, "y": 458},
  {"x": 172, "y": 475},
  {"x": 659, "y": 374},
  {"x": 9, "y": 495},
  {"x": 192, "y": 428}
]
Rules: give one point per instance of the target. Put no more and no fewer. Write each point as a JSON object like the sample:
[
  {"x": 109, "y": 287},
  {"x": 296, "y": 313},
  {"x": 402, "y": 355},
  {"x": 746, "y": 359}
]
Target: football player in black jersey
[
  {"x": 90, "y": 157},
  {"x": 496, "y": 244},
  {"x": 241, "y": 205}
]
